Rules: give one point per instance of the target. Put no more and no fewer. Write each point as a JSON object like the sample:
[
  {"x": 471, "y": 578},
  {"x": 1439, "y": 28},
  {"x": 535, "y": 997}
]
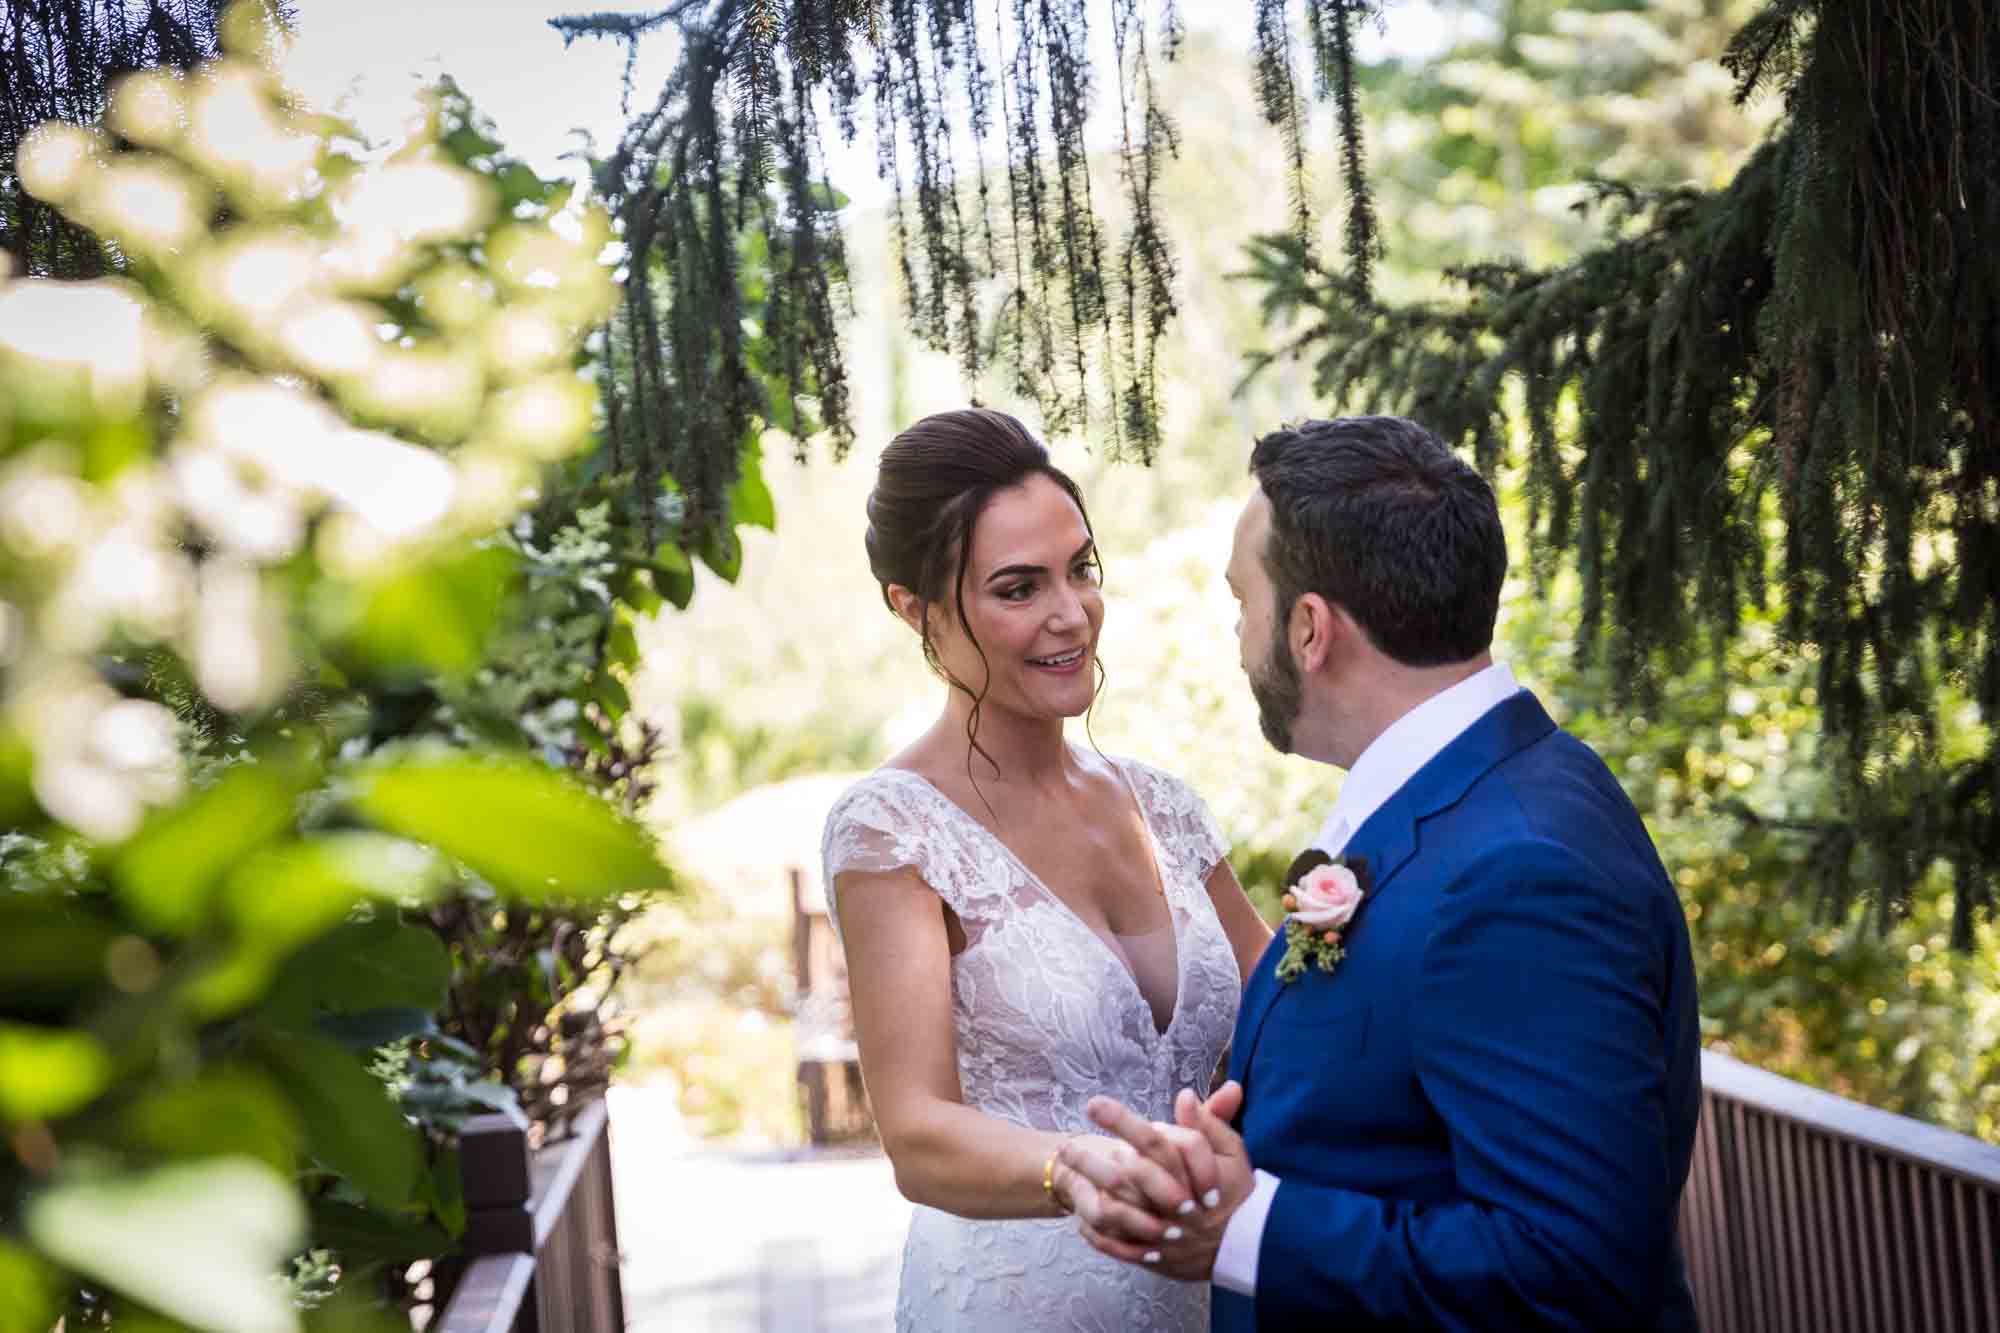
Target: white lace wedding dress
[{"x": 1046, "y": 1017}]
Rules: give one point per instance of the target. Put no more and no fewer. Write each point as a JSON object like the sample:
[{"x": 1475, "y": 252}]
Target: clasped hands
[{"x": 1155, "y": 1194}]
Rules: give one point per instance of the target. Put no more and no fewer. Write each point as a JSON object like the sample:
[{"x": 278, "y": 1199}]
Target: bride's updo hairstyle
[{"x": 933, "y": 482}]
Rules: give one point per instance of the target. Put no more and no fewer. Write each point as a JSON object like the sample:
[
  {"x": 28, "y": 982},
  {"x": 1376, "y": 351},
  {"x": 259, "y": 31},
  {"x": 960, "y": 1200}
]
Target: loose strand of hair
[
  {"x": 1090, "y": 712},
  {"x": 979, "y": 701}
]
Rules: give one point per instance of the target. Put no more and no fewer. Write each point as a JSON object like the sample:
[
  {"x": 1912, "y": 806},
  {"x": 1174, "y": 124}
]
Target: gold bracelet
[{"x": 1049, "y": 1175}]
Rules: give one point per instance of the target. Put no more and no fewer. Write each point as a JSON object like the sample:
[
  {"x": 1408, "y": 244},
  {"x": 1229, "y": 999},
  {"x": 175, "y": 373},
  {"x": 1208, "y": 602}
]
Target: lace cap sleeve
[
  {"x": 1181, "y": 816},
  {"x": 872, "y": 827}
]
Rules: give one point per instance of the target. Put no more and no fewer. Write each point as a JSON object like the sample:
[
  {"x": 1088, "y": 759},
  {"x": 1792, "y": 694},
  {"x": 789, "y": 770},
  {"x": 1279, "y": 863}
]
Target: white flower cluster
[{"x": 187, "y": 450}]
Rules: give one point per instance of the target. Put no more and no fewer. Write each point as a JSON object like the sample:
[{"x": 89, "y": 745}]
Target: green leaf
[
  {"x": 750, "y": 499},
  {"x": 112, "y": 445},
  {"x": 675, "y": 576},
  {"x": 229, "y": 1111},
  {"x": 446, "y": 1192},
  {"x": 27, "y": 1292},
  {"x": 290, "y": 894},
  {"x": 360, "y": 967},
  {"x": 434, "y": 616},
  {"x": 466, "y": 143},
  {"x": 621, "y": 644},
  {"x": 372, "y": 1028},
  {"x": 640, "y": 592},
  {"x": 611, "y": 695},
  {"x": 17, "y": 765},
  {"x": 46, "y": 1073},
  {"x": 365, "y": 1239},
  {"x": 349, "y": 1312},
  {"x": 519, "y": 184},
  {"x": 351, "y": 1124},
  {"x": 232, "y": 983},
  {"x": 169, "y": 871},
  {"x": 54, "y": 950},
  {"x": 463, "y": 1099},
  {"x": 531, "y": 831},
  {"x": 722, "y": 552},
  {"x": 197, "y": 1242}
]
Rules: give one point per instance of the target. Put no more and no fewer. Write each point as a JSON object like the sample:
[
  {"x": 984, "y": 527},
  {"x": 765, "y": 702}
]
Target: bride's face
[{"x": 1033, "y": 603}]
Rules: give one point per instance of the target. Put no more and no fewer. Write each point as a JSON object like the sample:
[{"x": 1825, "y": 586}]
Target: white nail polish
[
  {"x": 1187, "y": 1206},
  {"x": 1212, "y": 1198},
  {"x": 1175, "y": 1233},
  {"x": 1152, "y": 1256}
]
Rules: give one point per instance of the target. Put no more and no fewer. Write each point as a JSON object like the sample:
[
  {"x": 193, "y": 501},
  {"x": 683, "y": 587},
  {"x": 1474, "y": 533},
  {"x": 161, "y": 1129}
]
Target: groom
[{"x": 1479, "y": 1118}]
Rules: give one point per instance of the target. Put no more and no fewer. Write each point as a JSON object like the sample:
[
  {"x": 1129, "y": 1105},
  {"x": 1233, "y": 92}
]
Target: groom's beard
[{"x": 1280, "y": 692}]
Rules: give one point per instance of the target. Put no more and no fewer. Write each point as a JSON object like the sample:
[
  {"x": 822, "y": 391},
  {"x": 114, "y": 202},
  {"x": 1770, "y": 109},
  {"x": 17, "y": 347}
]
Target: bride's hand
[
  {"x": 1216, "y": 1162},
  {"x": 1115, "y": 1189}
]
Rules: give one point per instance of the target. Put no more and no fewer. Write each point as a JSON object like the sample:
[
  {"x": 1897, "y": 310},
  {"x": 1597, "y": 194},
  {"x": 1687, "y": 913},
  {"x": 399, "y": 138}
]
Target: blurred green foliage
[{"x": 249, "y": 762}]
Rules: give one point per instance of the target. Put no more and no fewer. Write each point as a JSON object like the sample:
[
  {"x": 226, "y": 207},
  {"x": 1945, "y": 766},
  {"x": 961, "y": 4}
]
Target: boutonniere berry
[{"x": 1322, "y": 895}]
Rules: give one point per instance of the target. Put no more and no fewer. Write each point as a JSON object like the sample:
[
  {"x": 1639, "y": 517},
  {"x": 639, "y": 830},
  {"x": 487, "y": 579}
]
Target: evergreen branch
[{"x": 1813, "y": 343}]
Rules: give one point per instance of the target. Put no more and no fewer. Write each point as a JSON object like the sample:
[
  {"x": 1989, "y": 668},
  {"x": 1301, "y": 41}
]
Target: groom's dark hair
[{"x": 1378, "y": 515}]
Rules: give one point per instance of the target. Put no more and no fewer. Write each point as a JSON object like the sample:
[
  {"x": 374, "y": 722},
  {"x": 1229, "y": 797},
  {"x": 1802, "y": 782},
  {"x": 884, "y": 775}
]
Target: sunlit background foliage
[{"x": 1480, "y": 153}]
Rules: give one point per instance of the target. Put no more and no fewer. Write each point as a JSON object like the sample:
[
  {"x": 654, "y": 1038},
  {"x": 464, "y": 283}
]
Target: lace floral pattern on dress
[{"x": 1047, "y": 1017}]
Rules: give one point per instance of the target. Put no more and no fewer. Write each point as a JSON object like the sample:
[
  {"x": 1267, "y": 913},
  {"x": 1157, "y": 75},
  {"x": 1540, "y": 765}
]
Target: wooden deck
[{"x": 805, "y": 1241}]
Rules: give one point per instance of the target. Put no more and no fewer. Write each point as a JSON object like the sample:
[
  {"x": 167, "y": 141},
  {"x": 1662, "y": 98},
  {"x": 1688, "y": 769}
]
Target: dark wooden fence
[
  {"x": 541, "y": 1240},
  {"x": 1808, "y": 1212}
]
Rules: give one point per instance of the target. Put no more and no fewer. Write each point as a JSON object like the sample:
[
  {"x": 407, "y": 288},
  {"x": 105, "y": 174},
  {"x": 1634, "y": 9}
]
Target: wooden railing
[
  {"x": 541, "y": 1240},
  {"x": 829, "y": 1064},
  {"x": 1806, "y": 1211}
]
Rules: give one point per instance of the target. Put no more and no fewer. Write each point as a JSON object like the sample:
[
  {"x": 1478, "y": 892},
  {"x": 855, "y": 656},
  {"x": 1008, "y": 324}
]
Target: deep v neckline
[{"x": 1119, "y": 962}]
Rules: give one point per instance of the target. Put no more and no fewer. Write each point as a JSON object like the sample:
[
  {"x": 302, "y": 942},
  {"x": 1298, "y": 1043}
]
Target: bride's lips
[{"x": 1066, "y": 663}]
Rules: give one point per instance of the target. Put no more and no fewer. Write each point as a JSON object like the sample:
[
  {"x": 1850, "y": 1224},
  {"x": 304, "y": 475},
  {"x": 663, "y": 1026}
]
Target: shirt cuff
[{"x": 1236, "y": 1261}]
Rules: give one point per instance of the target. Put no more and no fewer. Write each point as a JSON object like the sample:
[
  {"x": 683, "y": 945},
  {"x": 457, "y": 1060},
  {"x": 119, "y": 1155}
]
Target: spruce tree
[
  {"x": 58, "y": 61},
  {"x": 1786, "y": 390}
]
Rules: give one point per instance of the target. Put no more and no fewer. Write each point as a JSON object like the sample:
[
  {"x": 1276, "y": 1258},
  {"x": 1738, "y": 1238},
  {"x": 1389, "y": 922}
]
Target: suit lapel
[
  {"x": 1258, "y": 995},
  {"x": 1388, "y": 839}
]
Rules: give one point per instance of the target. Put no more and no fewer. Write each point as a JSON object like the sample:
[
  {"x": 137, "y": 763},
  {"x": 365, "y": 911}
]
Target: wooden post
[
  {"x": 493, "y": 1161},
  {"x": 802, "y": 977}
]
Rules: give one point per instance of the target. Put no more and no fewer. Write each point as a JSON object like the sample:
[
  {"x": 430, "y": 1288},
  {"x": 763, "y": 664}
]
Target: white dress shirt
[{"x": 1413, "y": 740}]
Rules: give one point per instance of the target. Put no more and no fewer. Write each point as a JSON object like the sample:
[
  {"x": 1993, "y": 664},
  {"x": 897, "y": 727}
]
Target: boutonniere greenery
[{"x": 1322, "y": 894}]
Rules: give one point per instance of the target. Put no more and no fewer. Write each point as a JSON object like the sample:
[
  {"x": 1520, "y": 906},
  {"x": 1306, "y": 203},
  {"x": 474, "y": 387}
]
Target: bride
[{"x": 1027, "y": 923}]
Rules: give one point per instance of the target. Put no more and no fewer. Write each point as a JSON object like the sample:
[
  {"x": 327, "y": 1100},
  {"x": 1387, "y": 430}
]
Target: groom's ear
[{"x": 1316, "y": 624}]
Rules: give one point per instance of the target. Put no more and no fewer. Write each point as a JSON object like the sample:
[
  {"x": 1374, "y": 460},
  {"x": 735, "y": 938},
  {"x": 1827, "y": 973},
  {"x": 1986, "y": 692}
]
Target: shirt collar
[{"x": 1411, "y": 741}]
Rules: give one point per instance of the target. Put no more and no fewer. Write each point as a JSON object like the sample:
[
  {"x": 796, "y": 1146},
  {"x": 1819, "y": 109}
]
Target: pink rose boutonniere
[{"x": 1323, "y": 893}]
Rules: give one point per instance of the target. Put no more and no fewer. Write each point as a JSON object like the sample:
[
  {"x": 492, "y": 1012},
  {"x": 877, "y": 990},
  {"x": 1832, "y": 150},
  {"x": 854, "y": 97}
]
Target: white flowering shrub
[{"x": 254, "y": 497}]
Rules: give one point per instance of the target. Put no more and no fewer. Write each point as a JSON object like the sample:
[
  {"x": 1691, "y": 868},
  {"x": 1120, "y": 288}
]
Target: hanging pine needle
[{"x": 1005, "y": 254}]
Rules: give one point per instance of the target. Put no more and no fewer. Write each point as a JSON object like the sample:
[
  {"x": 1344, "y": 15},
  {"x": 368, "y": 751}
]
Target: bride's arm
[
  {"x": 946, "y": 1154},
  {"x": 1246, "y": 930}
]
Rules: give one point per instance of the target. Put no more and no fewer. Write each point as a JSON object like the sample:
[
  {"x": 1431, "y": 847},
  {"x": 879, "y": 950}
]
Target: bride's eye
[
  {"x": 1019, "y": 592},
  {"x": 1087, "y": 570}
]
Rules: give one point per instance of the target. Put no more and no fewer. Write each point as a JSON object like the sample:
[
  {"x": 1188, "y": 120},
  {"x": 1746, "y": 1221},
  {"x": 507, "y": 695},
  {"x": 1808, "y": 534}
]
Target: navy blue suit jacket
[{"x": 1482, "y": 1118}]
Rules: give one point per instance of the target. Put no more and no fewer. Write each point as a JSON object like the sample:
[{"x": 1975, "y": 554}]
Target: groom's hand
[{"x": 1218, "y": 1168}]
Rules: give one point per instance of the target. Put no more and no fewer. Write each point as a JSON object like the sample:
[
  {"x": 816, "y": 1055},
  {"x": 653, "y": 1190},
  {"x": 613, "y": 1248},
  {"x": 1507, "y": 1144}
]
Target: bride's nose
[{"x": 1067, "y": 613}]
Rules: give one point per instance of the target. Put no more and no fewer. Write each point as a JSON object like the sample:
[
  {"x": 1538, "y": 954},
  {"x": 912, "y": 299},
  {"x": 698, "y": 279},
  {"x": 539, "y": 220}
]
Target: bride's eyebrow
[{"x": 1009, "y": 571}]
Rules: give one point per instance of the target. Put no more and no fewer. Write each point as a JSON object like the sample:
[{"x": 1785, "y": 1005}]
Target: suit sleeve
[{"x": 1539, "y": 1039}]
